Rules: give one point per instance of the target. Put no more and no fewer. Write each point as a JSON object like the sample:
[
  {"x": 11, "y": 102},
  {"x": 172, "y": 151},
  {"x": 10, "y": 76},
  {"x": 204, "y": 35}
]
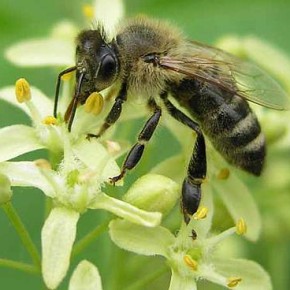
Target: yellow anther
[
  {"x": 241, "y": 227},
  {"x": 22, "y": 90},
  {"x": 201, "y": 213},
  {"x": 190, "y": 262},
  {"x": 49, "y": 120},
  {"x": 223, "y": 174},
  {"x": 88, "y": 11},
  {"x": 233, "y": 281},
  {"x": 94, "y": 103},
  {"x": 42, "y": 163},
  {"x": 67, "y": 76}
]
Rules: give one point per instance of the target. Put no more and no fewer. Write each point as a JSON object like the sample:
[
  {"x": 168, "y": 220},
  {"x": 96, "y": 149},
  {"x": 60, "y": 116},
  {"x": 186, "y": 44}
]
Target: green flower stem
[
  {"x": 89, "y": 238},
  {"x": 31, "y": 269},
  {"x": 141, "y": 283},
  {"x": 22, "y": 232}
]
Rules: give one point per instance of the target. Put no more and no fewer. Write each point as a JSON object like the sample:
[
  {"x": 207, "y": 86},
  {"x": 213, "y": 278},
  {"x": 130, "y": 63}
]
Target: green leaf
[
  {"x": 16, "y": 140},
  {"x": 253, "y": 276},
  {"x": 240, "y": 203},
  {"x": 126, "y": 211},
  {"x": 85, "y": 276},
  {"x": 139, "y": 239},
  {"x": 25, "y": 173},
  {"x": 57, "y": 238}
]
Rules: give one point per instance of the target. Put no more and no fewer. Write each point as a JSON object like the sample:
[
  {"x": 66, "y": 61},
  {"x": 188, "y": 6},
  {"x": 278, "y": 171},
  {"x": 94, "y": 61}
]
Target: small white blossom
[{"x": 192, "y": 253}]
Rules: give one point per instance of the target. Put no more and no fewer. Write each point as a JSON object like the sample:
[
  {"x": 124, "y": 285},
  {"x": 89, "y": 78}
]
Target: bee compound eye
[{"x": 108, "y": 68}]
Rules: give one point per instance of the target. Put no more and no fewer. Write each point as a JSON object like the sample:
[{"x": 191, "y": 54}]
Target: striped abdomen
[{"x": 227, "y": 121}]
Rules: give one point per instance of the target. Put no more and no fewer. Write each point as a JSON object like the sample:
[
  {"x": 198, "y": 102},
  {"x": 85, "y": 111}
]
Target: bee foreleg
[
  {"x": 136, "y": 151},
  {"x": 114, "y": 113},
  {"x": 191, "y": 188}
]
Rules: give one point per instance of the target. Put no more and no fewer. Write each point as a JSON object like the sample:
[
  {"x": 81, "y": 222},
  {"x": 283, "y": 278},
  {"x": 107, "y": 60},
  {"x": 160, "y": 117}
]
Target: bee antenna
[{"x": 66, "y": 71}]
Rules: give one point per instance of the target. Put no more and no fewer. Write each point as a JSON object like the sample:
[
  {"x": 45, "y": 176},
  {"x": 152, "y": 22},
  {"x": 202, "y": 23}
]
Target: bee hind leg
[{"x": 196, "y": 172}]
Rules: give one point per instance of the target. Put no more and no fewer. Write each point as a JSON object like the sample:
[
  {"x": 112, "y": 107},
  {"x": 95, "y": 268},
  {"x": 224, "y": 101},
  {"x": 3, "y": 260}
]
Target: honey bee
[{"x": 151, "y": 60}]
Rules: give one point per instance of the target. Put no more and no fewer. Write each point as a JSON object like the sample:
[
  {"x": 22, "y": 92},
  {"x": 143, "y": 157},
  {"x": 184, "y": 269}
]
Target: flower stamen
[
  {"x": 22, "y": 90},
  {"x": 190, "y": 262},
  {"x": 223, "y": 174},
  {"x": 94, "y": 103},
  {"x": 42, "y": 163},
  {"x": 49, "y": 120},
  {"x": 233, "y": 281},
  {"x": 241, "y": 227},
  {"x": 201, "y": 213}
]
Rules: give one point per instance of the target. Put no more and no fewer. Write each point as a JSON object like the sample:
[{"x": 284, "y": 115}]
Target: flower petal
[
  {"x": 57, "y": 238},
  {"x": 139, "y": 239},
  {"x": 24, "y": 173},
  {"x": 85, "y": 276},
  {"x": 16, "y": 140},
  {"x": 253, "y": 276},
  {"x": 240, "y": 204},
  {"x": 127, "y": 211},
  {"x": 42, "y": 52},
  {"x": 39, "y": 100},
  {"x": 178, "y": 282},
  {"x": 96, "y": 157},
  {"x": 109, "y": 13}
]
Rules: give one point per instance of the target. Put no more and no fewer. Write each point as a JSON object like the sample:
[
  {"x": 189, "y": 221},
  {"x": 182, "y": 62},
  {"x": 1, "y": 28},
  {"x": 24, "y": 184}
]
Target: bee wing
[{"x": 230, "y": 73}]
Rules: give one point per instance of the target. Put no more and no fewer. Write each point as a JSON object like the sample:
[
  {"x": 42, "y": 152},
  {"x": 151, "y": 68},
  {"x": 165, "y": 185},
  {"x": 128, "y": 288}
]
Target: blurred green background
[{"x": 204, "y": 21}]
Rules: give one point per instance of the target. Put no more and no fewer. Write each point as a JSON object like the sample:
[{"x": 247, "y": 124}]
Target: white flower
[
  {"x": 74, "y": 186},
  {"x": 192, "y": 253}
]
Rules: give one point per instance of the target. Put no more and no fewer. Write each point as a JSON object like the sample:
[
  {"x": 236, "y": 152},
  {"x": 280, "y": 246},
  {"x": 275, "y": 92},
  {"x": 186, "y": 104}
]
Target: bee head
[{"x": 96, "y": 62}]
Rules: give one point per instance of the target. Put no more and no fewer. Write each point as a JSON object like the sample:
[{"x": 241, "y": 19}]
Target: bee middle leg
[
  {"x": 196, "y": 172},
  {"x": 144, "y": 136}
]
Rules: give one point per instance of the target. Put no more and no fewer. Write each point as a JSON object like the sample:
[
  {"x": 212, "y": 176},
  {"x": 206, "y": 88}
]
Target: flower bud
[
  {"x": 5, "y": 189},
  {"x": 153, "y": 192}
]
